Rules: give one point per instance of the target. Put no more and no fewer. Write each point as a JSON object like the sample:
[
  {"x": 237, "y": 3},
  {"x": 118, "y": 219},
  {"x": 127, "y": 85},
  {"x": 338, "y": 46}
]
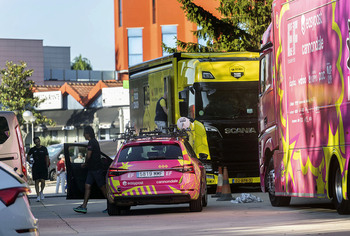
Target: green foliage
[
  {"x": 240, "y": 27},
  {"x": 81, "y": 63},
  {"x": 17, "y": 92},
  {"x": 47, "y": 141}
]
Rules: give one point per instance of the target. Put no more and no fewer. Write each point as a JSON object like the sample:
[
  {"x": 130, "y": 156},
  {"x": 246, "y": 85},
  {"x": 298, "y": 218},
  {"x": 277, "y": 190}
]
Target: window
[
  {"x": 135, "y": 46},
  {"x": 4, "y": 130},
  {"x": 120, "y": 12},
  {"x": 169, "y": 36},
  {"x": 153, "y": 11},
  {"x": 191, "y": 104},
  {"x": 146, "y": 95},
  {"x": 265, "y": 73},
  {"x": 201, "y": 41}
]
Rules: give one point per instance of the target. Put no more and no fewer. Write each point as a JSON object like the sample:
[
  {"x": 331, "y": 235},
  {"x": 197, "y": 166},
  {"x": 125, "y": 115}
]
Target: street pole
[{"x": 33, "y": 134}]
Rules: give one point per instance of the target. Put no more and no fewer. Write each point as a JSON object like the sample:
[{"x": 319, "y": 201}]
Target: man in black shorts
[
  {"x": 40, "y": 167},
  {"x": 95, "y": 170}
]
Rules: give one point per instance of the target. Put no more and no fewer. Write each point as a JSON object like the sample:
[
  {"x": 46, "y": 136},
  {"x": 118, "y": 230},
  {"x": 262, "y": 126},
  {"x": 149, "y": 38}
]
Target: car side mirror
[{"x": 203, "y": 156}]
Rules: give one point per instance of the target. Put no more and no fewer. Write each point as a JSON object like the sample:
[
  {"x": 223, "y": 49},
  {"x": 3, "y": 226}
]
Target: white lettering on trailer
[
  {"x": 292, "y": 37},
  {"x": 329, "y": 73},
  {"x": 313, "y": 46},
  {"x": 310, "y": 22}
]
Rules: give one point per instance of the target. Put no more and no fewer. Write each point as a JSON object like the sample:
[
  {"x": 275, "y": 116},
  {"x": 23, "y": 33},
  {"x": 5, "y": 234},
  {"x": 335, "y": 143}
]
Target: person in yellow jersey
[{"x": 161, "y": 117}]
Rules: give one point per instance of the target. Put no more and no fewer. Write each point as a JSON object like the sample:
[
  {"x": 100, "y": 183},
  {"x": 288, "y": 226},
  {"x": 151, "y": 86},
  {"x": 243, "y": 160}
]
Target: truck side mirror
[{"x": 203, "y": 156}]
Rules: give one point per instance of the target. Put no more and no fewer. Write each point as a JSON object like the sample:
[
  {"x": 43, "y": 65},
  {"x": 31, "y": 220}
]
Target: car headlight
[{"x": 210, "y": 128}]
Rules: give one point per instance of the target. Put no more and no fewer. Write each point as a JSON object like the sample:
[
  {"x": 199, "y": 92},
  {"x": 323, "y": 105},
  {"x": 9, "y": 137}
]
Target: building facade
[
  {"x": 141, "y": 26},
  {"x": 73, "y": 98}
]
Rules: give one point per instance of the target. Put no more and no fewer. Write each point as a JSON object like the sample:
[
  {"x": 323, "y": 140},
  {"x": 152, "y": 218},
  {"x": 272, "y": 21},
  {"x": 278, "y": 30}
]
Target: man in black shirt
[
  {"x": 40, "y": 167},
  {"x": 161, "y": 117},
  {"x": 95, "y": 170}
]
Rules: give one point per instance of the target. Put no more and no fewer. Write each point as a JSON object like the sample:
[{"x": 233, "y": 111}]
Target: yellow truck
[{"x": 218, "y": 92}]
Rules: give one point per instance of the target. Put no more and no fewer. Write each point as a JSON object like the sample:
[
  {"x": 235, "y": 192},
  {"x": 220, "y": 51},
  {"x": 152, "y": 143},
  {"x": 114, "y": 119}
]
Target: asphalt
[{"x": 49, "y": 190}]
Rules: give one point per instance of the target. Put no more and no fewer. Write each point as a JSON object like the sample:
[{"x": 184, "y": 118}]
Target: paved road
[{"x": 304, "y": 216}]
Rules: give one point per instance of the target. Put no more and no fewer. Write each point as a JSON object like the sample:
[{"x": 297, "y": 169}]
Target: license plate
[
  {"x": 242, "y": 180},
  {"x": 149, "y": 174}
]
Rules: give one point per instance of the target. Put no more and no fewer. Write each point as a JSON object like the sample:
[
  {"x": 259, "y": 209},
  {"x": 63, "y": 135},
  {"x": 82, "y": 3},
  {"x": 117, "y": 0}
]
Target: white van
[{"x": 11, "y": 143}]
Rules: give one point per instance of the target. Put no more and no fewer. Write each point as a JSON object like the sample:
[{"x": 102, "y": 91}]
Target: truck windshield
[{"x": 227, "y": 100}]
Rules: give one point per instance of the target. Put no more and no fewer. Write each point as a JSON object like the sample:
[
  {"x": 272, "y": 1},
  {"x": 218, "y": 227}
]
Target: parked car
[
  {"x": 107, "y": 146},
  {"x": 157, "y": 169},
  {"x": 15, "y": 212},
  {"x": 12, "y": 150}
]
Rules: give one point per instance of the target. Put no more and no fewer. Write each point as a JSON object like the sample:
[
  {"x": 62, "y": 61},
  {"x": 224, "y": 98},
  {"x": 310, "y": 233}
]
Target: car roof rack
[{"x": 171, "y": 132}]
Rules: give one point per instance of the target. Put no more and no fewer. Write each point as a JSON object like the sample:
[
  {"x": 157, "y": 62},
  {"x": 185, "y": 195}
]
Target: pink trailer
[{"x": 304, "y": 103}]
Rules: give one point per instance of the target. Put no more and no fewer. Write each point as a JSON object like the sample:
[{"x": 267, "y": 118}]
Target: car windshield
[
  {"x": 150, "y": 152},
  {"x": 54, "y": 149},
  {"x": 235, "y": 102}
]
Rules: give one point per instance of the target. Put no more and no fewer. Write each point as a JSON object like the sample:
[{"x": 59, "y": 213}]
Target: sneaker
[
  {"x": 42, "y": 196},
  {"x": 38, "y": 199},
  {"x": 105, "y": 211},
  {"x": 80, "y": 209}
]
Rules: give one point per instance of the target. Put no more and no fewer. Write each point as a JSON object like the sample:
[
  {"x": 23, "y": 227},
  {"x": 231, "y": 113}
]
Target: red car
[{"x": 156, "y": 169}]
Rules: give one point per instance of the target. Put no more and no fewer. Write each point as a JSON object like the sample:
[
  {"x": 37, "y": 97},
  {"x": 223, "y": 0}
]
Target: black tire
[
  {"x": 196, "y": 205},
  {"x": 205, "y": 197},
  {"x": 341, "y": 205},
  {"x": 114, "y": 210},
  {"x": 276, "y": 201}
]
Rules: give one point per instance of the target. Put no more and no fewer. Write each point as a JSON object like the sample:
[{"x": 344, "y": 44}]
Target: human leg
[
  {"x": 86, "y": 195},
  {"x": 36, "y": 185},
  {"x": 58, "y": 183},
  {"x": 63, "y": 181},
  {"x": 42, "y": 186},
  {"x": 82, "y": 208}
]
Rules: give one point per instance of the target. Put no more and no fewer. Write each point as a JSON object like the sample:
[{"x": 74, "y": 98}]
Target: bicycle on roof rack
[{"x": 171, "y": 131}]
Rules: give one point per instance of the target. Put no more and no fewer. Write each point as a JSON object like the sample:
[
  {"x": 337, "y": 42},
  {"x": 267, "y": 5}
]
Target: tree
[
  {"x": 240, "y": 27},
  {"x": 17, "y": 92},
  {"x": 81, "y": 63}
]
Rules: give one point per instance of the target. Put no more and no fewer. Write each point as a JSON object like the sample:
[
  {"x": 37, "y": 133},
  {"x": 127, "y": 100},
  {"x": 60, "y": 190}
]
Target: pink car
[{"x": 156, "y": 170}]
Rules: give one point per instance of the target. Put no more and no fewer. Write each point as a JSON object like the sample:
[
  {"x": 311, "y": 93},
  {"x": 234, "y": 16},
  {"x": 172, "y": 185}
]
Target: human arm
[
  {"x": 47, "y": 159},
  {"x": 29, "y": 154},
  {"x": 88, "y": 156},
  {"x": 163, "y": 105}
]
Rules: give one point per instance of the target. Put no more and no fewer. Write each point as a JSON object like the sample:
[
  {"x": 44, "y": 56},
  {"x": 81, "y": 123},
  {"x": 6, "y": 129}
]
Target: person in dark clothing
[
  {"x": 95, "y": 169},
  {"x": 40, "y": 167},
  {"x": 161, "y": 117}
]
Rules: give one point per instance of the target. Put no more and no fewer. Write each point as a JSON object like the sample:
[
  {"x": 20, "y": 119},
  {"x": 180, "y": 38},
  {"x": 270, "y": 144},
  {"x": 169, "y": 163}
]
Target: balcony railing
[{"x": 79, "y": 75}]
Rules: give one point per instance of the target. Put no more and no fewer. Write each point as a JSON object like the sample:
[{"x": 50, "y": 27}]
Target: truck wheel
[
  {"x": 341, "y": 205},
  {"x": 270, "y": 184}
]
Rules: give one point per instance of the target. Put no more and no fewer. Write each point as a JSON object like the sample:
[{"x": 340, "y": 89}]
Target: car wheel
[
  {"x": 196, "y": 205},
  {"x": 52, "y": 175},
  {"x": 341, "y": 205},
  {"x": 114, "y": 210},
  {"x": 205, "y": 197},
  {"x": 270, "y": 183}
]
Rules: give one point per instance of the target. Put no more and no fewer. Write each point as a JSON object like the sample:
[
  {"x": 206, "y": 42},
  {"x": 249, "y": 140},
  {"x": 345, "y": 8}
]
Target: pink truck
[{"x": 304, "y": 102}]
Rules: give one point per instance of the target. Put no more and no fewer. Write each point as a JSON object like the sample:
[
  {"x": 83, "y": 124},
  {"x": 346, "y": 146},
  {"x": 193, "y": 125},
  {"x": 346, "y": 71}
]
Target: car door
[{"x": 76, "y": 174}]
